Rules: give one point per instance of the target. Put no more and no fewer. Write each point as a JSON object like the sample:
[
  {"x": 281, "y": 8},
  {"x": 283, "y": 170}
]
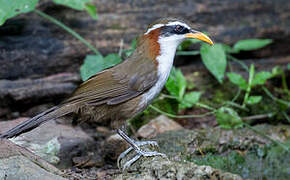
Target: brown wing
[{"x": 117, "y": 84}]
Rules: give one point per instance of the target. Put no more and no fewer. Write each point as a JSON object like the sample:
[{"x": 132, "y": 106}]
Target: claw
[
  {"x": 135, "y": 145},
  {"x": 139, "y": 144},
  {"x": 122, "y": 155},
  {"x": 139, "y": 154},
  {"x": 131, "y": 161}
]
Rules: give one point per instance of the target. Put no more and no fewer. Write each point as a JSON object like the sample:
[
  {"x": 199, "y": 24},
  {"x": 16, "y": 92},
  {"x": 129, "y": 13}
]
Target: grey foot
[{"x": 139, "y": 153}]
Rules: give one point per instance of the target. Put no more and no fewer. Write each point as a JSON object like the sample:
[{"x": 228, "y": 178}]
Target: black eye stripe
[
  {"x": 173, "y": 29},
  {"x": 181, "y": 29}
]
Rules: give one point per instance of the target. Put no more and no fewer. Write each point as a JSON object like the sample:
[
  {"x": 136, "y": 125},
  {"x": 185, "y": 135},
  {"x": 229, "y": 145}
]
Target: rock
[
  {"x": 33, "y": 91},
  {"x": 161, "y": 168},
  {"x": 114, "y": 146},
  {"x": 158, "y": 125},
  {"x": 4, "y": 111},
  {"x": 231, "y": 150},
  {"x": 240, "y": 151},
  {"x": 56, "y": 143},
  {"x": 217, "y": 140},
  {"x": 18, "y": 163},
  {"x": 91, "y": 160},
  {"x": 6, "y": 125}
]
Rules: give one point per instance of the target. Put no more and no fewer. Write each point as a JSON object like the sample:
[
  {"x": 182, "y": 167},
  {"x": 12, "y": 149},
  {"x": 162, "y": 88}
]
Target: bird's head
[
  {"x": 174, "y": 31},
  {"x": 164, "y": 35}
]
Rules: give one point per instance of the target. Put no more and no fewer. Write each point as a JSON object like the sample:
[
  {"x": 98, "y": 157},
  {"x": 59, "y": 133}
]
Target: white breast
[{"x": 165, "y": 62}]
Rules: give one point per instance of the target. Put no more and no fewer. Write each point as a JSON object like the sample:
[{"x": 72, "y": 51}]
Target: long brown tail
[{"x": 34, "y": 122}]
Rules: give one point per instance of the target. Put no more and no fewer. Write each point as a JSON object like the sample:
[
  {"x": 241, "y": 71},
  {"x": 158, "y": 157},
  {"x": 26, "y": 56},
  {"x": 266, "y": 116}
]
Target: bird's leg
[{"x": 135, "y": 145}]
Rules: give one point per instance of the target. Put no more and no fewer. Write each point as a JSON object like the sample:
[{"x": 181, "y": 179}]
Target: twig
[
  {"x": 248, "y": 90},
  {"x": 205, "y": 106},
  {"x": 284, "y": 81},
  {"x": 230, "y": 67},
  {"x": 274, "y": 98},
  {"x": 286, "y": 116},
  {"x": 121, "y": 48},
  {"x": 239, "y": 62},
  {"x": 197, "y": 104},
  {"x": 180, "y": 116},
  {"x": 259, "y": 116},
  {"x": 236, "y": 105},
  {"x": 68, "y": 29},
  {"x": 236, "y": 96}
]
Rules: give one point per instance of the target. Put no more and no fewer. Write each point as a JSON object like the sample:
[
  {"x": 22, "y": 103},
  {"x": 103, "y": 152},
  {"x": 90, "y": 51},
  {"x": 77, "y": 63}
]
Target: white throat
[{"x": 165, "y": 62}]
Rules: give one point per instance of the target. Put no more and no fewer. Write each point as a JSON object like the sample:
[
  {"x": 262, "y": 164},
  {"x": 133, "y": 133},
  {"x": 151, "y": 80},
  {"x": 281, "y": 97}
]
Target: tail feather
[{"x": 34, "y": 122}]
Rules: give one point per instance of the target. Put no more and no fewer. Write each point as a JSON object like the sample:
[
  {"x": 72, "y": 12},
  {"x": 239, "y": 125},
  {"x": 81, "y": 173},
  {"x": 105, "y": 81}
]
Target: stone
[
  {"x": 56, "y": 143},
  {"x": 158, "y": 167},
  {"x": 91, "y": 160},
  {"x": 33, "y": 91},
  {"x": 157, "y": 126},
  {"x": 114, "y": 146},
  {"x": 6, "y": 125},
  {"x": 16, "y": 162}
]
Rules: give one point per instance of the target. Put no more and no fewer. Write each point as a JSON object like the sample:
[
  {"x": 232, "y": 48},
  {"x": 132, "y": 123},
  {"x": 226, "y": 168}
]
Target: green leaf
[
  {"x": 251, "y": 44},
  {"x": 189, "y": 99},
  {"x": 128, "y": 52},
  {"x": 97, "y": 63},
  {"x": 254, "y": 99},
  {"x": 214, "y": 58},
  {"x": 11, "y": 8},
  {"x": 91, "y": 65},
  {"x": 75, "y": 4},
  {"x": 176, "y": 83},
  {"x": 134, "y": 44},
  {"x": 167, "y": 105},
  {"x": 111, "y": 60},
  {"x": 92, "y": 11},
  {"x": 229, "y": 49},
  {"x": 80, "y": 5},
  {"x": 277, "y": 71},
  {"x": 288, "y": 66},
  {"x": 238, "y": 80},
  {"x": 228, "y": 118},
  {"x": 187, "y": 53},
  {"x": 261, "y": 77},
  {"x": 185, "y": 44}
]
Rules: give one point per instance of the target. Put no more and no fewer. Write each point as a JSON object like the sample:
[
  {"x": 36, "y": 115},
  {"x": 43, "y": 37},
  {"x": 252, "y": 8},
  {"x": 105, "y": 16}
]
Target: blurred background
[{"x": 229, "y": 102}]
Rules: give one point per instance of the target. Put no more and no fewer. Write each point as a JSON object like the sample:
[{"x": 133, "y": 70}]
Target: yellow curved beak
[{"x": 199, "y": 36}]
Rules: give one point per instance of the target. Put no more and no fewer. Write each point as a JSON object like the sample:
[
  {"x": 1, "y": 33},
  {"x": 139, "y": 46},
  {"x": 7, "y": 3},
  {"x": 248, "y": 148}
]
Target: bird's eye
[{"x": 179, "y": 28}]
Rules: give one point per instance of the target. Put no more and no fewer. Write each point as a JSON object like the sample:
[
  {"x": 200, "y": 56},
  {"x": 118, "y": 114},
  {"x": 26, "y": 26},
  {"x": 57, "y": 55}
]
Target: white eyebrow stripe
[
  {"x": 178, "y": 23},
  {"x": 153, "y": 28},
  {"x": 168, "y": 24}
]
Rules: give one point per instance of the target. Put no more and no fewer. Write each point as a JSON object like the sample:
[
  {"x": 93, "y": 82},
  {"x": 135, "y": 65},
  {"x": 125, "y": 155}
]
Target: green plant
[
  {"x": 10, "y": 9},
  {"x": 97, "y": 63},
  {"x": 254, "y": 80},
  {"x": 228, "y": 118},
  {"x": 215, "y": 57},
  {"x": 176, "y": 86},
  {"x": 80, "y": 5}
]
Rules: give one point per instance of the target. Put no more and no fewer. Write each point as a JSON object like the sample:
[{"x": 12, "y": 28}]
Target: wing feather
[{"x": 117, "y": 84}]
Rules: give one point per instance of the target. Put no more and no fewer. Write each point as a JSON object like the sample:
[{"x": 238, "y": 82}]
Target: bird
[{"x": 124, "y": 90}]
